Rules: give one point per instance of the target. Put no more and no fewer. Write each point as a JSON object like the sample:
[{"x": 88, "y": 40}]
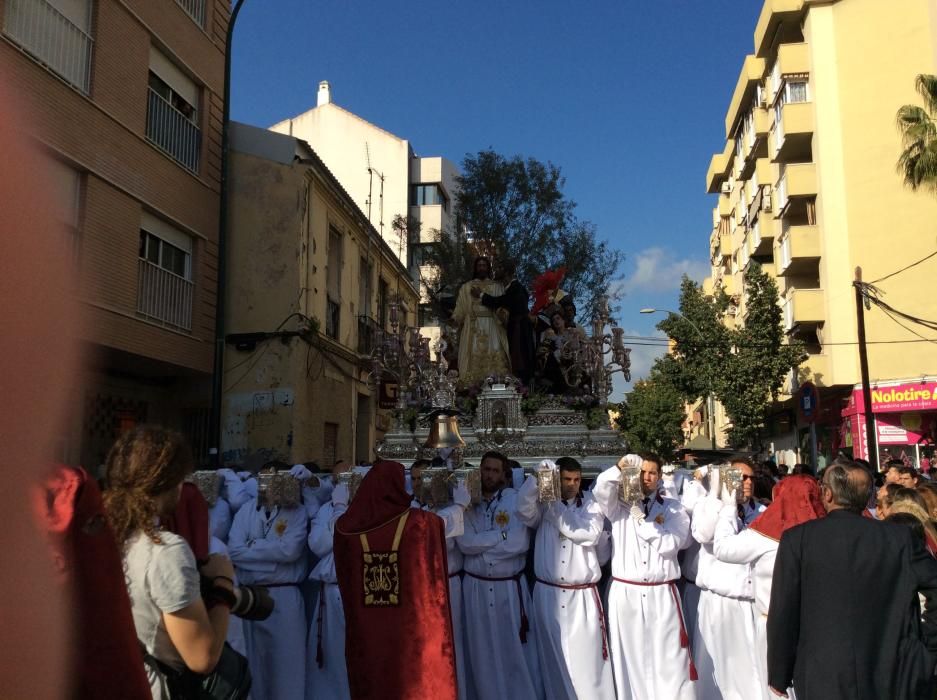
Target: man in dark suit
[
  {"x": 516, "y": 301},
  {"x": 844, "y": 620}
]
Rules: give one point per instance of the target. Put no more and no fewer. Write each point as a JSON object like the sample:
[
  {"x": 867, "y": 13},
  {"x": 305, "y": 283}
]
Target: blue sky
[{"x": 627, "y": 97}]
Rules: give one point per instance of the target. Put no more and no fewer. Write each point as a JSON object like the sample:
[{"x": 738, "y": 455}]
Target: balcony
[
  {"x": 52, "y": 39},
  {"x": 719, "y": 167},
  {"x": 708, "y": 286},
  {"x": 172, "y": 132},
  {"x": 798, "y": 181},
  {"x": 726, "y": 205},
  {"x": 370, "y": 335},
  {"x": 194, "y": 9},
  {"x": 792, "y": 59},
  {"x": 720, "y": 246},
  {"x": 803, "y": 307},
  {"x": 798, "y": 250},
  {"x": 745, "y": 88},
  {"x": 164, "y": 297},
  {"x": 773, "y": 14},
  {"x": 792, "y": 135}
]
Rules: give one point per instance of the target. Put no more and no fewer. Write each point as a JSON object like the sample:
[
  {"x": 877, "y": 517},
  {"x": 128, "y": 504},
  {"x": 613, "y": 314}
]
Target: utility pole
[
  {"x": 871, "y": 437},
  {"x": 217, "y": 377}
]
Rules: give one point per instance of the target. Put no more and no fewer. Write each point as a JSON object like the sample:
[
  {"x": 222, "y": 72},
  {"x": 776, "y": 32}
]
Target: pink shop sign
[{"x": 914, "y": 396}]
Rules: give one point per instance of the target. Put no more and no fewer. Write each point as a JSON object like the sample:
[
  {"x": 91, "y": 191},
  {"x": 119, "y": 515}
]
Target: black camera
[{"x": 247, "y": 602}]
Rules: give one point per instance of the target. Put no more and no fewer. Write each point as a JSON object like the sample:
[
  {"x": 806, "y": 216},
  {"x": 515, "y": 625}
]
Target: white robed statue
[{"x": 483, "y": 341}]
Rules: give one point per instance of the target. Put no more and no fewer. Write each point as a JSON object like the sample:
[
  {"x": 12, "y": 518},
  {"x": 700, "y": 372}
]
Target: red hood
[
  {"x": 380, "y": 497},
  {"x": 796, "y": 500}
]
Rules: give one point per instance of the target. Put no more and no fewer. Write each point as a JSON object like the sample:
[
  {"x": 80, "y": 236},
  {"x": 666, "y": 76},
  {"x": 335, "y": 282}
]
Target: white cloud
[{"x": 657, "y": 269}]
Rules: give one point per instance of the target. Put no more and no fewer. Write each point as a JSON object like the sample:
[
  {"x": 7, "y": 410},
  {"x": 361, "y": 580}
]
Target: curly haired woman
[{"x": 144, "y": 470}]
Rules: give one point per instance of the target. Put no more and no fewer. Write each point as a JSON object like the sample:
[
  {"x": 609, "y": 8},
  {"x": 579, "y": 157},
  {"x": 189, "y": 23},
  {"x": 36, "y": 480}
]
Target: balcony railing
[
  {"x": 51, "y": 38},
  {"x": 369, "y": 335},
  {"x": 164, "y": 297},
  {"x": 195, "y": 9},
  {"x": 173, "y": 132}
]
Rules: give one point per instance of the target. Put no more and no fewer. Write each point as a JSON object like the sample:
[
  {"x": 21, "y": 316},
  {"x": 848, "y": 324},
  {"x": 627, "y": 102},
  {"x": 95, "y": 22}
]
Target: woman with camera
[{"x": 176, "y": 626}]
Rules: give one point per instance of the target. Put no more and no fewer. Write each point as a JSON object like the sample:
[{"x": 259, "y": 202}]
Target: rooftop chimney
[{"x": 325, "y": 94}]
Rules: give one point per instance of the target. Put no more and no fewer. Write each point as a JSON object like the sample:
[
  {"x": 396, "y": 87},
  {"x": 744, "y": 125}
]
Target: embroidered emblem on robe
[{"x": 381, "y": 573}]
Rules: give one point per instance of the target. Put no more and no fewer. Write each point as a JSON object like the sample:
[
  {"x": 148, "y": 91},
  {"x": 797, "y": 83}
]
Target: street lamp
[{"x": 710, "y": 404}]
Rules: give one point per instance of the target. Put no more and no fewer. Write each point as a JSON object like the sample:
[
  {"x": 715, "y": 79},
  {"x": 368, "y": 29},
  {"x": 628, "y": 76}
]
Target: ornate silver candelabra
[{"x": 586, "y": 355}]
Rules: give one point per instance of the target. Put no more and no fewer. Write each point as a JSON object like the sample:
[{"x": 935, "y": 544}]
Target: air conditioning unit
[
  {"x": 766, "y": 202},
  {"x": 726, "y": 188}
]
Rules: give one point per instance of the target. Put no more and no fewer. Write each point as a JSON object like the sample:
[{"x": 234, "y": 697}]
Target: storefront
[{"x": 905, "y": 421}]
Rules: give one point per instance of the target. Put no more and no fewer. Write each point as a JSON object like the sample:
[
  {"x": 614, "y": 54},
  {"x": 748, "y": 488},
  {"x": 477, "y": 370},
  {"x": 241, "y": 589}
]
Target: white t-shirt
[{"x": 161, "y": 578}]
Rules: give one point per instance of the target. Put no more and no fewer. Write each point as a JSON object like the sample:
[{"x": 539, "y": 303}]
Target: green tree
[
  {"x": 918, "y": 128},
  {"x": 760, "y": 360},
  {"x": 515, "y": 208},
  {"x": 744, "y": 367},
  {"x": 651, "y": 416}
]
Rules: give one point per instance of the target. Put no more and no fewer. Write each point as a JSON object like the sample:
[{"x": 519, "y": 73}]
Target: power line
[{"x": 898, "y": 272}]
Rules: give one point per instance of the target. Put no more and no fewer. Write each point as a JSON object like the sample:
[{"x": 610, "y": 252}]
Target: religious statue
[
  {"x": 483, "y": 342},
  {"x": 520, "y": 332}
]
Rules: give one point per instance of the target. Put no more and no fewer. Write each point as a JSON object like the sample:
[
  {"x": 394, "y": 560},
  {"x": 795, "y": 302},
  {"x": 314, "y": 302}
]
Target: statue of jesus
[{"x": 483, "y": 341}]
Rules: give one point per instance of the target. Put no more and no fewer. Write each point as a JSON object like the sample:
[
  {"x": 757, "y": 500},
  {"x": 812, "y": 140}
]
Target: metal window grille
[
  {"x": 195, "y": 9},
  {"x": 51, "y": 38},
  {"x": 164, "y": 297},
  {"x": 332, "y": 312},
  {"x": 172, "y": 132}
]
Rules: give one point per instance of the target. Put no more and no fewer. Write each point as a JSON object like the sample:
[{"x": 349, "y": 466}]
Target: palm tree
[{"x": 918, "y": 127}]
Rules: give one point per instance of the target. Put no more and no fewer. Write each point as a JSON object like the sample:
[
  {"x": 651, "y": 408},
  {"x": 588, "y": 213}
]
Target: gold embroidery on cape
[{"x": 381, "y": 571}]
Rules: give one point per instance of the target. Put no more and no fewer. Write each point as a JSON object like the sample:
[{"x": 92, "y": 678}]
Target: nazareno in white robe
[
  {"x": 571, "y": 636},
  {"x": 647, "y": 635},
  {"x": 502, "y": 650},
  {"x": 326, "y": 672},
  {"x": 269, "y": 549},
  {"x": 726, "y": 617}
]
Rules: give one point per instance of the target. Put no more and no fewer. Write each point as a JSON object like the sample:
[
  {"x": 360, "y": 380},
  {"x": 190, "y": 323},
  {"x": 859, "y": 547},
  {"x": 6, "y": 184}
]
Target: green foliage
[
  {"x": 515, "y": 208},
  {"x": 651, "y": 417},
  {"x": 745, "y": 367},
  {"x": 918, "y": 128}
]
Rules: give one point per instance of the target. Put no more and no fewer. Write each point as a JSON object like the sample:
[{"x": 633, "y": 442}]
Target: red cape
[
  {"x": 106, "y": 661},
  {"x": 404, "y": 648}
]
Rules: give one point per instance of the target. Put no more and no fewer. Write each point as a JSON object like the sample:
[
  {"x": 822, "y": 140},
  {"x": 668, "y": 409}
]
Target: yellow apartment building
[
  {"x": 807, "y": 186},
  {"x": 302, "y": 258}
]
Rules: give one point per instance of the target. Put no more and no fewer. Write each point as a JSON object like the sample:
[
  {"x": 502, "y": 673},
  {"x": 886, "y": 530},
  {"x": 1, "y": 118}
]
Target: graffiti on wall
[{"x": 258, "y": 427}]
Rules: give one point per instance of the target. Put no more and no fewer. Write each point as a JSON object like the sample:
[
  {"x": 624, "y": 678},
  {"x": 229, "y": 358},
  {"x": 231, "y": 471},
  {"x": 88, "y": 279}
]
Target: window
[
  {"x": 330, "y": 444},
  {"x": 333, "y": 272},
  {"x": 57, "y": 33},
  {"x": 428, "y": 194},
  {"x": 382, "y": 304},
  {"x": 364, "y": 287},
  {"x": 65, "y": 200},
  {"x": 194, "y": 9},
  {"x": 796, "y": 91},
  {"x": 172, "y": 112},
  {"x": 427, "y": 317},
  {"x": 164, "y": 287}
]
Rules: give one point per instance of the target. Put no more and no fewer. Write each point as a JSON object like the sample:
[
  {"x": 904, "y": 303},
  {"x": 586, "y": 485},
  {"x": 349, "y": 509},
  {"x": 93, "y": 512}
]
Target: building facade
[
  {"x": 124, "y": 99},
  {"x": 387, "y": 180},
  {"x": 807, "y": 187},
  {"x": 303, "y": 258}
]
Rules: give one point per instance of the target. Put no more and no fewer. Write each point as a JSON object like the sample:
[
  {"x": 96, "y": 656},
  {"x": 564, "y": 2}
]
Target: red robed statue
[{"x": 390, "y": 560}]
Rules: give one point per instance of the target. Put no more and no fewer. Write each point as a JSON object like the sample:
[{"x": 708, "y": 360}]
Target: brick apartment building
[{"x": 124, "y": 98}]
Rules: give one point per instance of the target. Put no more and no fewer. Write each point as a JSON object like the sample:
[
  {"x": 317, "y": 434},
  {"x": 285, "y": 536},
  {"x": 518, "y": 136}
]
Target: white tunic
[
  {"x": 759, "y": 551},
  {"x": 649, "y": 649},
  {"x": 726, "y": 617},
  {"x": 326, "y": 671},
  {"x": 269, "y": 548},
  {"x": 571, "y": 638},
  {"x": 495, "y": 545}
]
